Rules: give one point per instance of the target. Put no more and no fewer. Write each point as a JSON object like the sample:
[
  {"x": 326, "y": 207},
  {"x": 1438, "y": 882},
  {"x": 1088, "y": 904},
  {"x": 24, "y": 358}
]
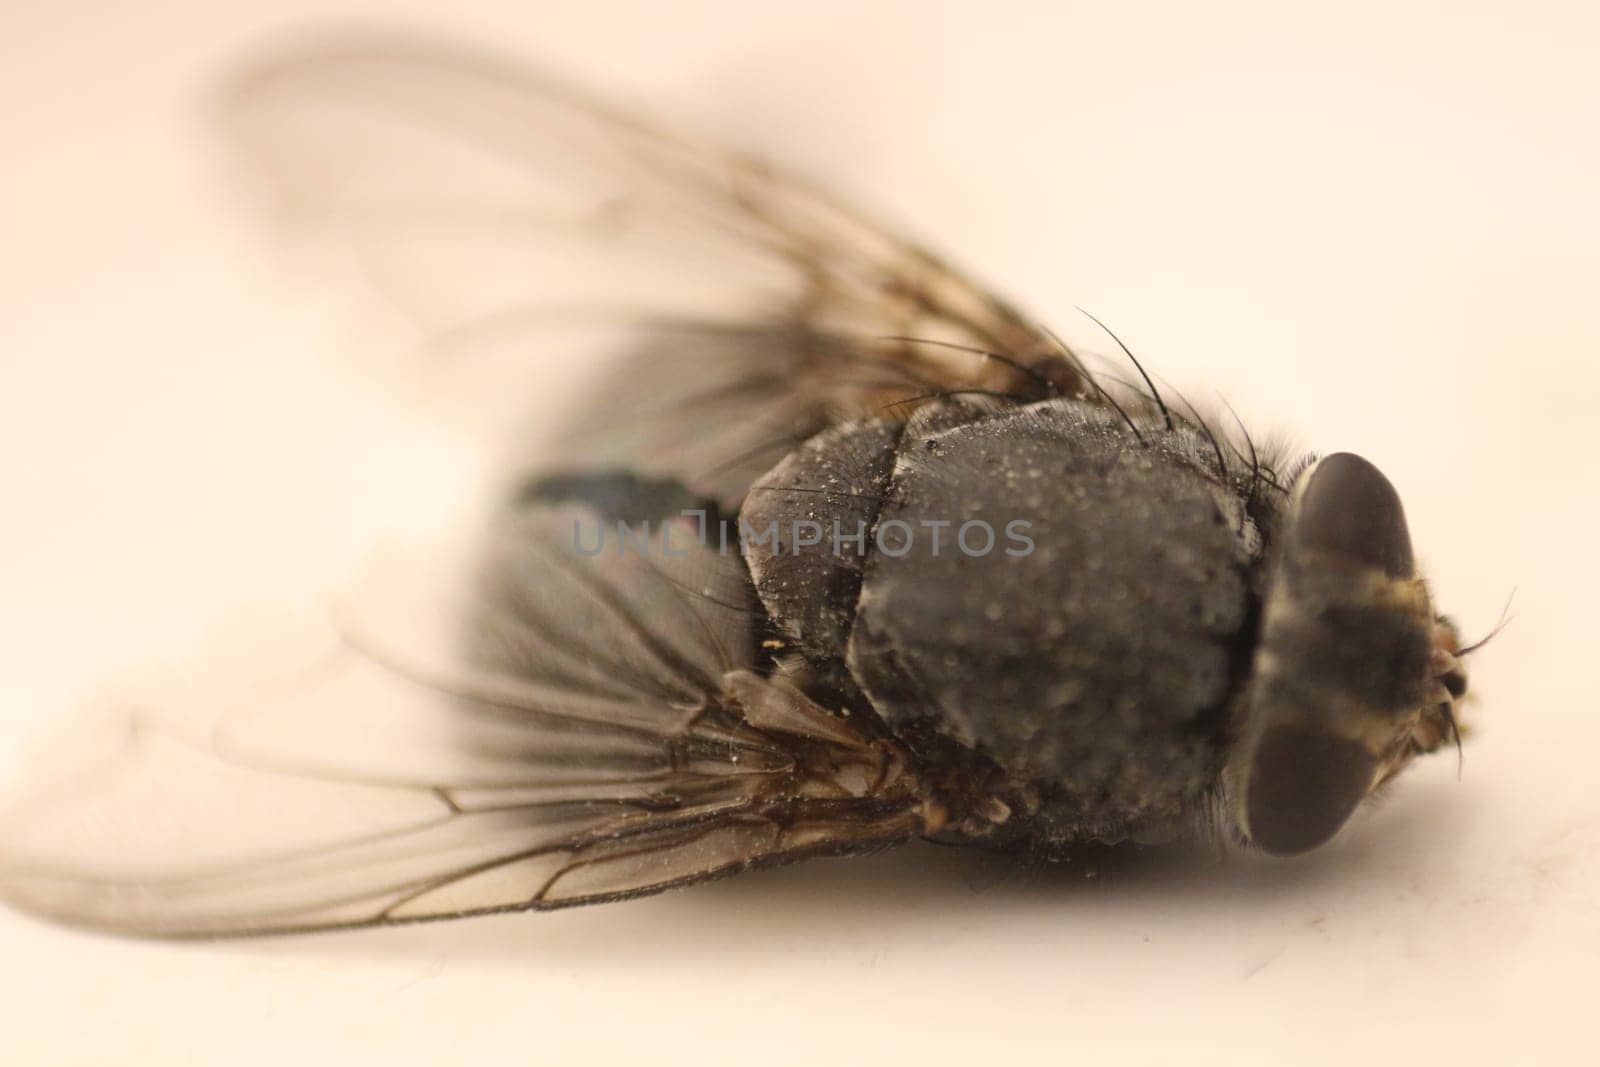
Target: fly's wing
[
  {"x": 561, "y": 729},
  {"x": 518, "y": 221},
  {"x": 564, "y": 726}
]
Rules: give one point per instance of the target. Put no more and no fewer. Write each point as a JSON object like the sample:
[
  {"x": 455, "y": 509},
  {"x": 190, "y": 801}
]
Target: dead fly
[{"x": 894, "y": 564}]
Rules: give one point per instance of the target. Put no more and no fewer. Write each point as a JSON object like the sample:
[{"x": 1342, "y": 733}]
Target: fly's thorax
[
  {"x": 1345, "y": 668},
  {"x": 805, "y": 529},
  {"x": 1093, "y": 663}
]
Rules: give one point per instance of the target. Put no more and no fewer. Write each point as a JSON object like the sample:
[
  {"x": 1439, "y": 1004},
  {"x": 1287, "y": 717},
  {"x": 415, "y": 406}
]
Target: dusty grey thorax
[{"x": 1096, "y": 670}]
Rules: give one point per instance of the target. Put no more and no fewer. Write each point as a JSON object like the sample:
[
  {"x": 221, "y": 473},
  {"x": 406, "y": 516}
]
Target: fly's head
[{"x": 1355, "y": 674}]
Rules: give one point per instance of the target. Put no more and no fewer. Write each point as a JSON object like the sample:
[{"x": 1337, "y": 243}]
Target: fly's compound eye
[
  {"x": 1304, "y": 783},
  {"x": 1349, "y": 510},
  {"x": 1343, "y": 663}
]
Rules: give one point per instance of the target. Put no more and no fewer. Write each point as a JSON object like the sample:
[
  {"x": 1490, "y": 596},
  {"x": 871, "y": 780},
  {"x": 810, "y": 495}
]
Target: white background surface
[{"x": 1373, "y": 229}]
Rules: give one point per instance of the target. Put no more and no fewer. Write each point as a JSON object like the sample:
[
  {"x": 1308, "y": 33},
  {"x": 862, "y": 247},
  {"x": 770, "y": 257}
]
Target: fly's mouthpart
[{"x": 1438, "y": 722}]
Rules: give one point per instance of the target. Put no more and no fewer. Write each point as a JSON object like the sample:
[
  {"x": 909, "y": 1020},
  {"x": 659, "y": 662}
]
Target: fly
[{"x": 849, "y": 552}]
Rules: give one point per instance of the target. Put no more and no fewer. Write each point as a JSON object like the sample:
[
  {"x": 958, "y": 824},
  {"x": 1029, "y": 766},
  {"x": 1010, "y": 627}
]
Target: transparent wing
[
  {"x": 518, "y": 220},
  {"x": 561, "y": 729},
  {"x": 542, "y": 726},
  {"x": 455, "y": 174}
]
